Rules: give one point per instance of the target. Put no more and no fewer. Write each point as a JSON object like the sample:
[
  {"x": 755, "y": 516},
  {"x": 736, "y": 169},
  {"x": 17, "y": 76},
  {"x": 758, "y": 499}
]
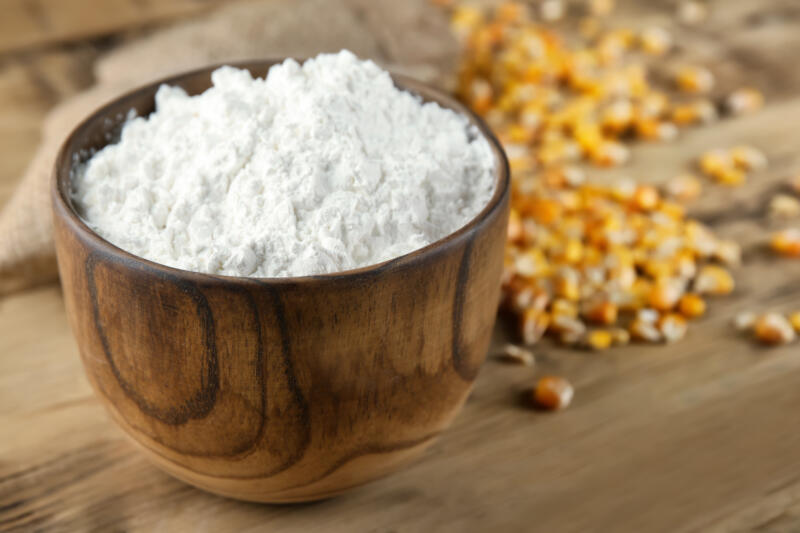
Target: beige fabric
[{"x": 409, "y": 36}]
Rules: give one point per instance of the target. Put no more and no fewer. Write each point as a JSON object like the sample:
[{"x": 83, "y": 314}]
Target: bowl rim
[{"x": 63, "y": 208}]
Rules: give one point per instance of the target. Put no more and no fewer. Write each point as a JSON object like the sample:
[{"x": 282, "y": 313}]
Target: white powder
[{"x": 319, "y": 168}]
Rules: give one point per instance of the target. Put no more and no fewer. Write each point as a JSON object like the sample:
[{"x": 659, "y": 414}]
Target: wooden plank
[{"x": 27, "y": 23}]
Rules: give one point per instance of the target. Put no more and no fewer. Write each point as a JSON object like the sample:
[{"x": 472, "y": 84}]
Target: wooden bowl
[{"x": 287, "y": 389}]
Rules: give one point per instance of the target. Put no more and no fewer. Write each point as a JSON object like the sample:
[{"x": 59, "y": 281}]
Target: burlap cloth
[{"x": 409, "y": 36}]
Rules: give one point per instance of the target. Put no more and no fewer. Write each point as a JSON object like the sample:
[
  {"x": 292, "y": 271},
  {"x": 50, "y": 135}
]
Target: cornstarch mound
[{"x": 318, "y": 168}]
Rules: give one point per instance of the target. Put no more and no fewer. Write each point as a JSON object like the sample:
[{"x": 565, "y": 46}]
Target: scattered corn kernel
[
  {"x": 553, "y": 393},
  {"x": 774, "y": 328},
  {"x": 748, "y": 158},
  {"x": 786, "y": 242},
  {"x": 745, "y": 100},
  {"x": 694, "y": 79},
  {"x": 715, "y": 161},
  {"x": 794, "y": 320},
  {"x": 784, "y": 206},
  {"x": 684, "y": 188},
  {"x": 744, "y": 320},
  {"x": 698, "y": 112},
  {"x": 692, "y": 305},
  {"x": 516, "y": 354},
  {"x": 691, "y": 12}
]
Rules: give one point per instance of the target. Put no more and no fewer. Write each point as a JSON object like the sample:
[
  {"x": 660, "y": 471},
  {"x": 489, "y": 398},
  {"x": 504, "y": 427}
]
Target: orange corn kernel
[
  {"x": 552, "y": 393},
  {"x": 745, "y": 100},
  {"x": 713, "y": 279},
  {"x": 646, "y": 197},
  {"x": 602, "y": 312},
  {"x": 774, "y": 328},
  {"x": 691, "y": 305},
  {"x": 610, "y": 154},
  {"x": 545, "y": 210},
  {"x": 786, "y": 242},
  {"x": 533, "y": 324},
  {"x": 693, "y": 79},
  {"x": 699, "y": 112}
]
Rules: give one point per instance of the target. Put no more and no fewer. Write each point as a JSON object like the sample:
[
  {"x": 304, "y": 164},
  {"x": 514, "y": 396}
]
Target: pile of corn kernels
[{"x": 599, "y": 265}]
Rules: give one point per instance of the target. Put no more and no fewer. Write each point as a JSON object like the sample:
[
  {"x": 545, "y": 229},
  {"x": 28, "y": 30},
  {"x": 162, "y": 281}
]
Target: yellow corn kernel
[
  {"x": 531, "y": 263},
  {"x": 744, "y": 100},
  {"x": 694, "y": 79},
  {"x": 617, "y": 116},
  {"x": 465, "y": 19},
  {"x": 567, "y": 288},
  {"x": 698, "y": 112},
  {"x": 713, "y": 279},
  {"x": 713, "y": 162},
  {"x": 685, "y": 266},
  {"x": 521, "y": 294},
  {"x": 656, "y": 41},
  {"x": 563, "y": 307},
  {"x": 786, "y": 242},
  {"x": 684, "y": 188},
  {"x": 673, "y": 327},
  {"x": 748, "y": 158},
  {"x": 774, "y": 328},
  {"x": 553, "y": 393},
  {"x": 533, "y": 323},
  {"x": 599, "y": 339},
  {"x": 732, "y": 177},
  {"x": 692, "y": 305},
  {"x": 794, "y": 320}
]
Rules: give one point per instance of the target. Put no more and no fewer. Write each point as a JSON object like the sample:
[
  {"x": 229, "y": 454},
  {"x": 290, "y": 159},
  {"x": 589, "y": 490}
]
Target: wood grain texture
[
  {"x": 28, "y": 23},
  {"x": 285, "y": 389},
  {"x": 694, "y": 437}
]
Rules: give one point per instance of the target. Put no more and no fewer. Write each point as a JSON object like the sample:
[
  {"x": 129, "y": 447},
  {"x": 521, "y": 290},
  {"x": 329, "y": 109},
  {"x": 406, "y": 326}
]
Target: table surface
[{"x": 695, "y": 436}]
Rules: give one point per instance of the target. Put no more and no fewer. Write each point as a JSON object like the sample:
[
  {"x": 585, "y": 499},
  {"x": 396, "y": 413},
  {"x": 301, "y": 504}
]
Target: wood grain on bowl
[{"x": 279, "y": 389}]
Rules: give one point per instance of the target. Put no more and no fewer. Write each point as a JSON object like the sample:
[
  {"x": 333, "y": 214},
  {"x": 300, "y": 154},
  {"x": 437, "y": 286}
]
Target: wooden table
[{"x": 696, "y": 436}]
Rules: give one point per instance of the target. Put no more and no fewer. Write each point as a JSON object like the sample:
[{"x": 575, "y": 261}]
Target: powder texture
[{"x": 318, "y": 168}]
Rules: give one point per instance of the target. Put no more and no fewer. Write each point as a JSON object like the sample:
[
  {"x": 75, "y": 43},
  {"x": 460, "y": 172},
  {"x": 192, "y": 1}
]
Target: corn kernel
[
  {"x": 610, "y": 154},
  {"x": 691, "y": 305},
  {"x": 599, "y": 339},
  {"x": 784, "y": 206},
  {"x": 553, "y": 393},
  {"x": 666, "y": 294},
  {"x": 715, "y": 161},
  {"x": 774, "y": 328},
  {"x": 794, "y": 320},
  {"x": 692, "y": 79},
  {"x": 533, "y": 324},
  {"x": 728, "y": 253},
  {"x": 744, "y": 320},
  {"x": 644, "y": 331},
  {"x": 673, "y": 327},
  {"x": 691, "y": 12},
  {"x": 602, "y": 312},
  {"x": 646, "y": 197},
  {"x": 562, "y": 307},
  {"x": 684, "y": 188},
  {"x": 786, "y": 242},
  {"x": 516, "y": 354},
  {"x": 713, "y": 279},
  {"x": 656, "y": 41},
  {"x": 745, "y": 100},
  {"x": 748, "y": 158},
  {"x": 732, "y": 177}
]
